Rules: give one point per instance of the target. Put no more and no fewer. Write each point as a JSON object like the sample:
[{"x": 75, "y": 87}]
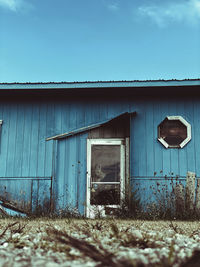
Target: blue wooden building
[{"x": 81, "y": 145}]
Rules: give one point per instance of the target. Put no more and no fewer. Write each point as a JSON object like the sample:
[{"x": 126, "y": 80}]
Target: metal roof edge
[
  {"x": 87, "y": 128},
  {"x": 99, "y": 84}
]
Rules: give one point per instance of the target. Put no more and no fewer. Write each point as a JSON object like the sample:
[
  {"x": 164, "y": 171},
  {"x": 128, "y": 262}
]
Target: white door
[{"x": 105, "y": 176}]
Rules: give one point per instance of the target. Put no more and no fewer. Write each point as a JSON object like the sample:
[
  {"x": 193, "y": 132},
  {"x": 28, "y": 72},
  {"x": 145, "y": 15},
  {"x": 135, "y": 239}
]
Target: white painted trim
[
  {"x": 127, "y": 164},
  {"x": 106, "y": 141},
  {"x": 189, "y": 132},
  {"x": 105, "y": 182},
  {"x": 189, "y": 135},
  {"x": 91, "y": 210},
  {"x": 88, "y": 186},
  {"x": 122, "y": 174},
  {"x": 162, "y": 141}
]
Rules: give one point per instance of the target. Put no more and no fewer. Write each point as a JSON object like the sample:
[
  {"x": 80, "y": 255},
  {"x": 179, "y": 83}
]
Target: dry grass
[
  {"x": 187, "y": 228},
  {"x": 99, "y": 255},
  {"x": 34, "y": 225}
]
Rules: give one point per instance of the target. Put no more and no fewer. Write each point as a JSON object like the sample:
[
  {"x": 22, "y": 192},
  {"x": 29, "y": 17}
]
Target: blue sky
[{"x": 92, "y": 40}]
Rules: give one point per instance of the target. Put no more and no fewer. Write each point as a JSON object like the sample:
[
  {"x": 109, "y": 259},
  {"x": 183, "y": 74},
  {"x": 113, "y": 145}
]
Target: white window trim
[
  {"x": 92, "y": 209},
  {"x": 189, "y": 132}
]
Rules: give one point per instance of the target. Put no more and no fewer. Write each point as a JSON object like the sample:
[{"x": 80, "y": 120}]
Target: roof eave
[{"x": 100, "y": 84}]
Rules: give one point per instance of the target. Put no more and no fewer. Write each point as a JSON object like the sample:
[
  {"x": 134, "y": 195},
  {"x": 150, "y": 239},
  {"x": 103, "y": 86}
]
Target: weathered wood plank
[
  {"x": 190, "y": 191},
  {"x": 197, "y": 200}
]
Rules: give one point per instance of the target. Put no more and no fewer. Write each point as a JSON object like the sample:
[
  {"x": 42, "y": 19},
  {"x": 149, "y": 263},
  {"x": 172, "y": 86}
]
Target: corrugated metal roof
[
  {"x": 87, "y": 128},
  {"x": 99, "y": 84}
]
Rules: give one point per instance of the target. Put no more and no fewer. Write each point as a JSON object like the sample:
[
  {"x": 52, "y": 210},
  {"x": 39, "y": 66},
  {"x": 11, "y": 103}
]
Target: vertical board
[
  {"x": 174, "y": 166},
  {"x": 34, "y": 141},
  {"x": 72, "y": 115},
  {"x": 41, "y": 140},
  {"x": 134, "y": 146},
  {"x": 71, "y": 174},
  {"x": 166, "y": 152},
  {"x": 50, "y": 124},
  {"x": 4, "y": 139},
  {"x": 150, "y": 139},
  {"x": 158, "y": 148},
  {"x": 137, "y": 139},
  {"x": 80, "y": 114},
  {"x": 41, "y": 196},
  {"x": 81, "y": 178},
  {"x": 65, "y": 118},
  {"x": 26, "y": 140},
  {"x": 19, "y": 140},
  {"x": 196, "y": 136},
  {"x": 61, "y": 164},
  {"x": 58, "y": 118},
  {"x": 141, "y": 142},
  {"x": 182, "y": 153},
  {"x": 11, "y": 141},
  {"x": 191, "y": 160},
  {"x": 90, "y": 113}
]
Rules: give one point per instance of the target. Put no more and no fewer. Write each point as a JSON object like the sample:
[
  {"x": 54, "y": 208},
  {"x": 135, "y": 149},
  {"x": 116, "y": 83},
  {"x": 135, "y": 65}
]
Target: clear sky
[{"x": 92, "y": 40}]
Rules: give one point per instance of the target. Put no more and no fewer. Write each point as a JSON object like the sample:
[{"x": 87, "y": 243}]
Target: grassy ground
[{"x": 73, "y": 242}]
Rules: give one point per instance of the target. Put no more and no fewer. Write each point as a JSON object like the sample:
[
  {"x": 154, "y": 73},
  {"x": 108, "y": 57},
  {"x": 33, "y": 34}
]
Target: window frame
[
  {"x": 92, "y": 209},
  {"x": 185, "y": 141}
]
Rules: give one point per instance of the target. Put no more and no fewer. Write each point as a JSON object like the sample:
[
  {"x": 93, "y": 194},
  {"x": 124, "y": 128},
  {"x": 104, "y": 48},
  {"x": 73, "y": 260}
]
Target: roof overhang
[
  {"x": 89, "y": 127},
  {"x": 99, "y": 84}
]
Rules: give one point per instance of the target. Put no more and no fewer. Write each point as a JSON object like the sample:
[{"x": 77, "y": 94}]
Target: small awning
[{"x": 89, "y": 127}]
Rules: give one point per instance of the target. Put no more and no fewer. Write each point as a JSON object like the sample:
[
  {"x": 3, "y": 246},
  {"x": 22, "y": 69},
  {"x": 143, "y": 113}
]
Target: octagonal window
[{"x": 174, "y": 132}]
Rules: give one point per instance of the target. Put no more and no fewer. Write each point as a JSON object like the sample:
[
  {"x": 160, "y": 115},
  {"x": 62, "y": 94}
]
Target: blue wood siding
[
  {"x": 27, "y": 161},
  {"x": 150, "y": 157},
  {"x": 70, "y": 178},
  {"x": 151, "y": 163}
]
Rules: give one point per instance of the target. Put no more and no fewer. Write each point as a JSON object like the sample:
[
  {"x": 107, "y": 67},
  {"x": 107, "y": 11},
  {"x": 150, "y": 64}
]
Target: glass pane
[
  {"x": 105, "y": 194},
  {"x": 173, "y": 132},
  {"x": 105, "y": 163}
]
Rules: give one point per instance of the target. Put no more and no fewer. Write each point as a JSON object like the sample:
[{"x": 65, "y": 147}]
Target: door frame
[{"x": 93, "y": 210}]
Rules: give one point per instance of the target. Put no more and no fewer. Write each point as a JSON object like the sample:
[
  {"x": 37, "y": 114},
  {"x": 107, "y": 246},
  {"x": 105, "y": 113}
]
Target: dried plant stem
[{"x": 104, "y": 257}]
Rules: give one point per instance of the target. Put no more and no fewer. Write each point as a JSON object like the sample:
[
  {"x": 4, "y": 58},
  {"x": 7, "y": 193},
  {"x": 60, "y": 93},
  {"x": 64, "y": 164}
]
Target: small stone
[
  {"x": 137, "y": 234},
  {"x": 5, "y": 245},
  {"x": 16, "y": 235}
]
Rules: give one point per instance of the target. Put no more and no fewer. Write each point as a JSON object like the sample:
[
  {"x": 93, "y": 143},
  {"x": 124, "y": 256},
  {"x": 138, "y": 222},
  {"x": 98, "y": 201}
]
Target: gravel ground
[{"x": 67, "y": 242}]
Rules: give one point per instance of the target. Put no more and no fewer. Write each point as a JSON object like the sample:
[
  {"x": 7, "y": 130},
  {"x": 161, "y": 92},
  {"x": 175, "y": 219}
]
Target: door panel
[{"x": 105, "y": 175}]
